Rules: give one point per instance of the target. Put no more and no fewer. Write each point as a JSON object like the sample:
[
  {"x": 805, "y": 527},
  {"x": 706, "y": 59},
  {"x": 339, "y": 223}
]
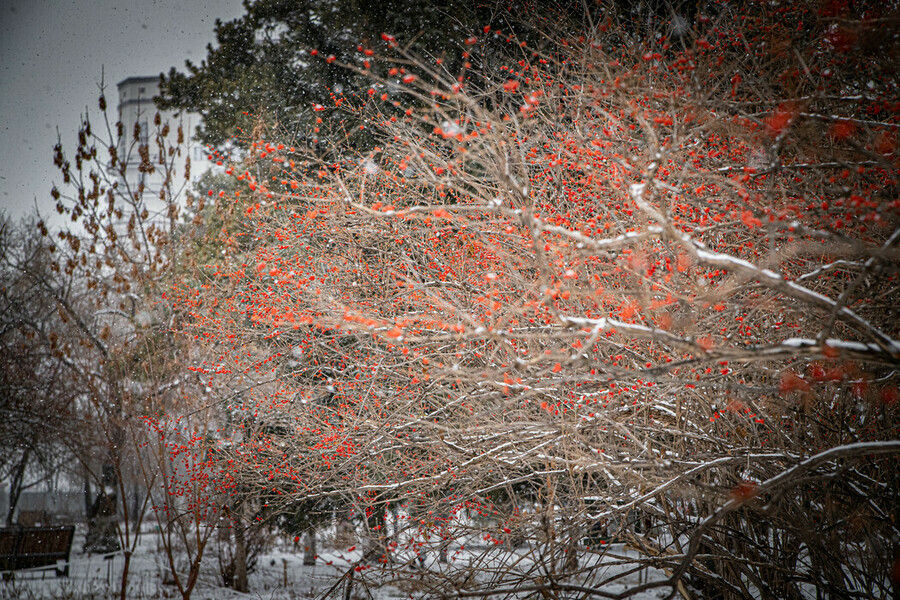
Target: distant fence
[{"x": 60, "y": 506}]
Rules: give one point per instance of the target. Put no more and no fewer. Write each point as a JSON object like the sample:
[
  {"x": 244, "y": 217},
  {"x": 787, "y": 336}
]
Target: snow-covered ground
[{"x": 280, "y": 575}]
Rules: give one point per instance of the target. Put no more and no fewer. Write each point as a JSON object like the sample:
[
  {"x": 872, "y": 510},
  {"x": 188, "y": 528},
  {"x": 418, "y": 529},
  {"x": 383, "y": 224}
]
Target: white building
[{"x": 136, "y": 108}]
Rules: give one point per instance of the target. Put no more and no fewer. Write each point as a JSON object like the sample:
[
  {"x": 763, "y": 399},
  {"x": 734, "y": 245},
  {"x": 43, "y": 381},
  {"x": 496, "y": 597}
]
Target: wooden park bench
[{"x": 35, "y": 548}]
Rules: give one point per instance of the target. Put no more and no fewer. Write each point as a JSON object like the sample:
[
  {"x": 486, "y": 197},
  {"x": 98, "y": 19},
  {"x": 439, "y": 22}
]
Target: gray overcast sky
[{"x": 51, "y": 54}]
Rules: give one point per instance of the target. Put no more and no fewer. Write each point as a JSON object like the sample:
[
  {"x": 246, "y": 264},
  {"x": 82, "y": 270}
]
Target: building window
[
  {"x": 142, "y": 90},
  {"x": 144, "y": 133}
]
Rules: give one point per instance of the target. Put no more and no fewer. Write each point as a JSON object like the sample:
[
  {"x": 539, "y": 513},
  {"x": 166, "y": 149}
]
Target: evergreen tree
[{"x": 284, "y": 56}]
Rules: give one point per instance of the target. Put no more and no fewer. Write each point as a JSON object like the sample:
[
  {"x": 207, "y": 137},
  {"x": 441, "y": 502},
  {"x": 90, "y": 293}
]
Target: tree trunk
[
  {"x": 88, "y": 498},
  {"x": 136, "y": 502},
  {"x": 240, "y": 559},
  {"x": 375, "y": 544},
  {"x": 309, "y": 549},
  {"x": 15, "y": 485},
  {"x": 570, "y": 564},
  {"x": 344, "y": 536},
  {"x": 123, "y": 590}
]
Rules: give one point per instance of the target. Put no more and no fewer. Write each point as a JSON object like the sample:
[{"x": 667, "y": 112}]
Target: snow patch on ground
[{"x": 280, "y": 575}]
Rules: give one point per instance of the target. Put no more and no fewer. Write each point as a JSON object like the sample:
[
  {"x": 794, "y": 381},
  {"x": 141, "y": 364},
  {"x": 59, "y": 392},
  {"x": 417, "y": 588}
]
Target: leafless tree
[
  {"x": 108, "y": 272},
  {"x": 36, "y": 400}
]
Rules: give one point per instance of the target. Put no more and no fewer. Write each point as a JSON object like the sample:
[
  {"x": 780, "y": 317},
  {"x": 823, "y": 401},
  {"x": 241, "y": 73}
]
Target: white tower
[{"x": 137, "y": 110}]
